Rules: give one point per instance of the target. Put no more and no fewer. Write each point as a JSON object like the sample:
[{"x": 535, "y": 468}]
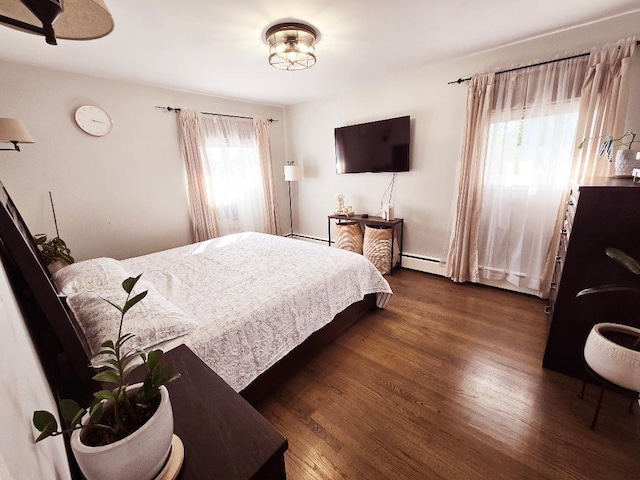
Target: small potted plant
[
  {"x": 127, "y": 430},
  {"x": 54, "y": 252},
  {"x": 612, "y": 350},
  {"x": 626, "y": 158}
]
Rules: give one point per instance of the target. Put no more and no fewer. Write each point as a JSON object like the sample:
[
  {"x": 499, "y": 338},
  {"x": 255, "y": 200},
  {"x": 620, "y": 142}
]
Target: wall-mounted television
[{"x": 381, "y": 146}]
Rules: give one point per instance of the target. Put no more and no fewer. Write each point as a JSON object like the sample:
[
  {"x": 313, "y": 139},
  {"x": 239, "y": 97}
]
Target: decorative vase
[
  {"x": 141, "y": 455},
  {"x": 612, "y": 351},
  {"x": 626, "y": 161}
]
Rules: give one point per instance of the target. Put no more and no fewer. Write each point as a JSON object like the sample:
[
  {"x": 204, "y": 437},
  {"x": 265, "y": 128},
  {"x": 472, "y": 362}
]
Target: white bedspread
[{"x": 255, "y": 296}]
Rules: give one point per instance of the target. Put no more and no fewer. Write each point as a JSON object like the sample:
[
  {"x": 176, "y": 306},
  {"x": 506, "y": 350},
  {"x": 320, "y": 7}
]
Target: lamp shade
[
  {"x": 13, "y": 130},
  {"x": 292, "y": 173},
  {"x": 71, "y": 19}
]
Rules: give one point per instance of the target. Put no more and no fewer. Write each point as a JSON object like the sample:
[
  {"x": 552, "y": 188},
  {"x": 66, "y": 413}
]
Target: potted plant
[
  {"x": 613, "y": 350},
  {"x": 626, "y": 158},
  {"x": 54, "y": 252},
  {"x": 127, "y": 430}
]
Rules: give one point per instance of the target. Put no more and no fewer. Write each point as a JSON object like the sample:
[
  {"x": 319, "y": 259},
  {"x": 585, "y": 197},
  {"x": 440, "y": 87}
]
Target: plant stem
[{"x": 53, "y": 209}]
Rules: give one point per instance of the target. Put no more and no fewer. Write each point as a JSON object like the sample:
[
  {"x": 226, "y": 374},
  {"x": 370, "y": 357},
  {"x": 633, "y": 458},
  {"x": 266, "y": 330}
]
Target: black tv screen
[{"x": 381, "y": 146}]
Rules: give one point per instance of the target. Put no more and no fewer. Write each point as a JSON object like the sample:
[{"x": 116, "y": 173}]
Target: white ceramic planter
[
  {"x": 57, "y": 265},
  {"x": 618, "y": 364},
  {"x": 139, "y": 456},
  {"x": 626, "y": 161}
]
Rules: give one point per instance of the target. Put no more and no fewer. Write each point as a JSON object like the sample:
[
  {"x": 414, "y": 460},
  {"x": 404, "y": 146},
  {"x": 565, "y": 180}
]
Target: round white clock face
[{"x": 93, "y": 120}]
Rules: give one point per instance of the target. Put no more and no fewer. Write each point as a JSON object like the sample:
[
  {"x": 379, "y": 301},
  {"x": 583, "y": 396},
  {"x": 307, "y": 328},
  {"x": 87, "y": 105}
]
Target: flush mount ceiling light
[
  {"x": 71, "y": 19},
  {"x": 291, "y": 46}
]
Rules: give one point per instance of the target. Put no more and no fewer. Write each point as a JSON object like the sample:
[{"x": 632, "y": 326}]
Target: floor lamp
[{"x": 292, "y": 173}]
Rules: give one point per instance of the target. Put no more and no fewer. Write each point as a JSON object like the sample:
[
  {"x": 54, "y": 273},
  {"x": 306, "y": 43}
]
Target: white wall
[
  {"x": 24, "y": 390},
  {"x": 120, "y": 195},
  {"x": 423, "y": 196}
]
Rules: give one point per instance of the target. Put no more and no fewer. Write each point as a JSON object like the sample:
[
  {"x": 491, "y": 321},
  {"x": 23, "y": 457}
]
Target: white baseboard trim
[{"x": 424, "y": 264}]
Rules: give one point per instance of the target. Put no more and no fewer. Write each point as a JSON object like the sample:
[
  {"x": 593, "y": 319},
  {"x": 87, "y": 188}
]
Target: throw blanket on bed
[{"x": 253, "y": 297}]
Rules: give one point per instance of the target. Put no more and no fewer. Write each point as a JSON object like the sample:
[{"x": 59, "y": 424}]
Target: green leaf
[
  {"x": 130, "y": 282},
  {"x": 164, "y": 374},
  {"x": 625, "y": 260},
  {"x": 104, "y": 395},
  {"x": 108, "y": 344},
  {"x": 124, "y": 338},
  {"x": 582, "y": 143},
  {"x": 132, "y": 301},
  {"x": 69, "y": 409},
  {"x": 110, "y": 364},
  {"x": 44, "y": 422},
  {"x": 153, "y": 359},
  {"x": 108, "y": 376},
  {"x": 111, "y": 303},
  {"x": 606, "y": 289},
  {"x": 95, "y": 414}
]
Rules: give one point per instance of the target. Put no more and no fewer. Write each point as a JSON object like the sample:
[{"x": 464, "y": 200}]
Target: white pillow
[
  {"x": 90, "y": 275},
  {"x": 153, "y": 320}
]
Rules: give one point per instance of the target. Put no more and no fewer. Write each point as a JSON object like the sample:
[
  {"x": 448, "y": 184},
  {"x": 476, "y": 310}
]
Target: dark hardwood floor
[{"x": 447, "y": 383}]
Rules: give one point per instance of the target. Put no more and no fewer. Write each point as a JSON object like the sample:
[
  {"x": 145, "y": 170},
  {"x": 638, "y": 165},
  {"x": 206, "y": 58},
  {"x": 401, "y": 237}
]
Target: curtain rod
[
  {"x": 460, "y": 80},
  {"x": 172, "y": 109}
]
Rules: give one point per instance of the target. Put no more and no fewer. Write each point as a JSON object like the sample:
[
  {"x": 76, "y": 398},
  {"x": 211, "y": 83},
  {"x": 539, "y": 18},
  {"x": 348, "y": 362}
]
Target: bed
[{"x": 252, "y": 306}]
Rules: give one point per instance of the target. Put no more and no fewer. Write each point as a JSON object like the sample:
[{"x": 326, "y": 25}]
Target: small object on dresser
[
  {"x": 340, "y": 204},
  {"x": 635, "y": 173},
  {"x": 365, "y": 215}
]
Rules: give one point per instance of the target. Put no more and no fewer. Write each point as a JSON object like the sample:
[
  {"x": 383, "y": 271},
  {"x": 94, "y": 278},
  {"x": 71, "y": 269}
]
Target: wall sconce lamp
[
  {"x": 13, "y": 131},
  {"x": 72, "y": 19},
  {"x": 292, "y": 173}
]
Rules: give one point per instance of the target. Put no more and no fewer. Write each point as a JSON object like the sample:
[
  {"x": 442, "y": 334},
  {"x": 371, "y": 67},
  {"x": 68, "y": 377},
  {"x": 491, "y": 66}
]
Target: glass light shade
[
  {"x": 292, "y": 173},
  {"x": 76, "y": 19},
  {"x": 291, "y": 46},
  {"x": 13, "y": 130}
]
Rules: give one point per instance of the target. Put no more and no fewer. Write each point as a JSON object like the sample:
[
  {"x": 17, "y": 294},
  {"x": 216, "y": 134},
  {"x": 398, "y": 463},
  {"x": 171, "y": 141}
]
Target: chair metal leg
[
  {"x": 595, "y": 417},
  {"x": 584, "y": 384}
]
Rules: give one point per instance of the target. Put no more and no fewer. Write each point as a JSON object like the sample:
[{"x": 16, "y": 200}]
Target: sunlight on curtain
[
  {"x": 527, "y": 168},
  {"x": 235, "y": 187}
]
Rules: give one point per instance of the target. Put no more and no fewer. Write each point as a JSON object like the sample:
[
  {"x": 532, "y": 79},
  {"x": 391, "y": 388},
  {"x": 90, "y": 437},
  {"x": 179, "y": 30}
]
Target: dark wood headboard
[{"x": 47, "y": 320}]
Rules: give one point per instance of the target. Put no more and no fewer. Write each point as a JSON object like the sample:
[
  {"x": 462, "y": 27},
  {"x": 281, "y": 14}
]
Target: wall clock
[{"x": 93, "y": 120}]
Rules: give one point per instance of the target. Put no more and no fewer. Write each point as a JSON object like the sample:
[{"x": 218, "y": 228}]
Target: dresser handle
[
  {"x": 547, "y": 309},
  {"x": 558, "y": 259},
  {"x": 570, "y": 203},
  {"x": 563, "y": 232}
]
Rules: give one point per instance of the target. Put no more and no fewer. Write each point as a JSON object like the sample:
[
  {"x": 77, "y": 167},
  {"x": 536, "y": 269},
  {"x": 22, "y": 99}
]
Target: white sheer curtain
[
  {"x": 204, "y": 224},
  {"x": 236, "y": 191},
  {"x": 521, "y": 172},
  {"x": 528, "y": 163}
]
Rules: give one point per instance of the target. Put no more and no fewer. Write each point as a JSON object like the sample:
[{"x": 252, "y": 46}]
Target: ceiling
[{"x": 217, "y": 48}]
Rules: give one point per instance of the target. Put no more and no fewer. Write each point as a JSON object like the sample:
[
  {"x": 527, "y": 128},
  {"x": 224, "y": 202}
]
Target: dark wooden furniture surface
[
  {"x": 397, "y": 226},
  {"x": 602, "y": 213},
  {"x": 224, "y": 437}
]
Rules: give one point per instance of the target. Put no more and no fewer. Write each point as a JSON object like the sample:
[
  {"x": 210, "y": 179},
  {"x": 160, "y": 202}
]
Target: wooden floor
[{"x": 447, "y": 383}]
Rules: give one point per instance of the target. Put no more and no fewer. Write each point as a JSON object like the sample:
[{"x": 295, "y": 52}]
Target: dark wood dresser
[
  {"x": 601, "y": 213},
  {"x": 224, "y": 437}
]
